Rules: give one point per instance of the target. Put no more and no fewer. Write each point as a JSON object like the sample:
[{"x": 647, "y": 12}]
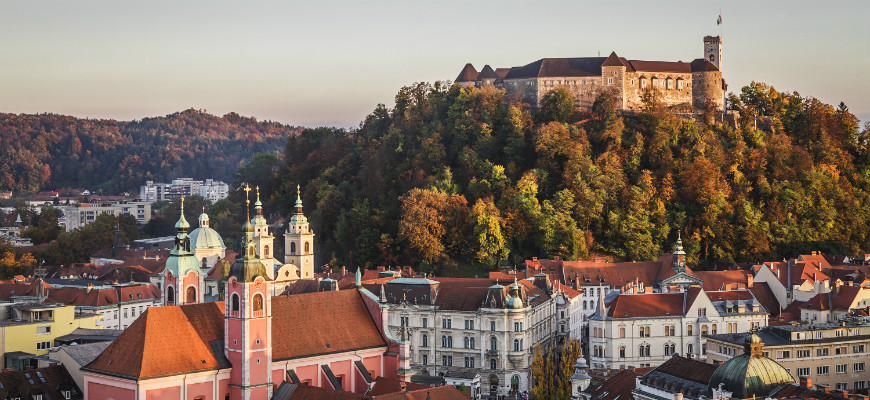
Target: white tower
[
  {"x": 299, "y": 242},
  {"x": 713, "y": 50},
  {"x": 263, "y": 240}
]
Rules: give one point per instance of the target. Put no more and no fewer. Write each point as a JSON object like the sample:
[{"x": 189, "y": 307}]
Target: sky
[{"x": 331, "y": 62}]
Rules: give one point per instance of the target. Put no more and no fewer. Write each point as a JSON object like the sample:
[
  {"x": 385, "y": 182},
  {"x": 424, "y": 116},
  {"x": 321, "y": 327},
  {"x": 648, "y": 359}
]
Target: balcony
[{"x": 492, "y": 353}]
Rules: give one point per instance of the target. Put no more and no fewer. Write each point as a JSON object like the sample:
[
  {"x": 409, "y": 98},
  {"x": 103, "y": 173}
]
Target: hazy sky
[{"x": 331, "y": 62}]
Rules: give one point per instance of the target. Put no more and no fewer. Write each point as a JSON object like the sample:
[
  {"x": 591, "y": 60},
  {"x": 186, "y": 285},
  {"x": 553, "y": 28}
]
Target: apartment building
[{"x": 834, "y": 355}]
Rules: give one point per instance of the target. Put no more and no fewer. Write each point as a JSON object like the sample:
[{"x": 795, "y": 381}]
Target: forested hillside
[
  {"x": 458, "y": 176},
  {"x": 49, "y": 151}
]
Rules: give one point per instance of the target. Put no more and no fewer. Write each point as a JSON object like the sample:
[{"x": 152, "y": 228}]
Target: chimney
[
  {"x": 343, "y": 270},
  {"x": 826, "y": 388},
  {"x": 403, "y": 387},
  {"x": 749, "y": 280},
  {"x": 845, "y": 394},
  {"x": 556, "y": 258}
]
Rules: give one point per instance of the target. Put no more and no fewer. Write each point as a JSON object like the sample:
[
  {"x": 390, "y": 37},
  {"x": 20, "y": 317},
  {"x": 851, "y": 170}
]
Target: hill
[
  {"x": 49, "y": 151},
  {"x": 456, "y": 176}
]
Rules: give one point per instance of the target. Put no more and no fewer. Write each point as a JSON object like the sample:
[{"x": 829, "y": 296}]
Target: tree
[
  {"x": 488, "y": 243},
  {"x": 552, "y": 369},
  {"x": 557, "y": 105},
  {"x": 422, "y": 223}
]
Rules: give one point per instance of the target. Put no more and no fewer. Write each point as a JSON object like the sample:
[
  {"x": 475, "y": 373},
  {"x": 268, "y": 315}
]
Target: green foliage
[
  {"x": 55, "y": 151},
  {"x": 473, "y": 179},
  {"x": 557, "y": 105},
  {"x": 77, "y": 245}
]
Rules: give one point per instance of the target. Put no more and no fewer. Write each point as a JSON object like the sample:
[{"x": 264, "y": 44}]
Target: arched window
[
  {"x": 258, "y": 302},
  {"x": 493, "y": 346},
  {"x": 667, "y": 350},
  {"x": 292, "y": 247},
  {"x": 621, "y": 351},
  {"x": 443, "y": 341},
  {"x": 584, "y": 304},
  {"x": 425, "y": 340},
  {"x": 450, "y": 341},
  {"x": 516, "y": 345},
  {"x": 234, "y": 303},
  {"x": 648, "y": 354},
  {"x": 465, "y": 345},
  {"x": 307, "y": 248},
  {"x": 689, "y": 330},
  {"x": 470, "y": 343},
  {"x": 170, "y": 295},
  {"x": 190, "y": 295},
  {"x": 640, "y": 350},
  {"x": 673, "y": 349},
  {"x": 204, "y": 263},
  {"x": 266, "y": 251},
  {"x": 689, "y": 350}
]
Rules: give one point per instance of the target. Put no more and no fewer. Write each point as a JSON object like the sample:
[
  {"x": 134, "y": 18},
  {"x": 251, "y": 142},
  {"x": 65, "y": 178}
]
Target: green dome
[
  {"x": 206, "y": 238},
  {"x": 750, "y": 374},
  {"x": 181, "y": 264}
]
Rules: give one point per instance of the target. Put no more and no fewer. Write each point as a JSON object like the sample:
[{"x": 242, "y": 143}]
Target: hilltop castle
[{"x": 696, "y": 83}]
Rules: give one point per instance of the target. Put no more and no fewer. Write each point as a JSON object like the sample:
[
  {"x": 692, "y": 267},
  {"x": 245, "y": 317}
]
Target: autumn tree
[{"x": 557, "y": 105}]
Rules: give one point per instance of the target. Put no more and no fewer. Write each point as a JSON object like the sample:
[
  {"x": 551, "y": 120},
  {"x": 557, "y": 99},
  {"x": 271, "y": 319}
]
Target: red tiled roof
[
  {"x": 305, "y": 392},
  {"x": 322, "y": 323},
  {"x": 461, "y": 294},
  {"x": 688, "y": 369},
  {"x": 468, "y": 74},
  {"x": 647, "y": 305},
  {"x": 765, "y": 296},
  {"x": 446, "y": 392},
  {"x": 717, "y": 280},
  {"x": 569, "y": 291},
  {"x": 384, "y": 385},
  {"x": 729, "y": 295},
  {"x": 618, "y": 386},
  {"x": 661, "y": 66},
  {"x": 302, "y": 325}
]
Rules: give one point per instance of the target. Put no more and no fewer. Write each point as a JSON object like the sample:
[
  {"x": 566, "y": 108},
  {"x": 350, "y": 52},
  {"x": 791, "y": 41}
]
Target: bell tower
[
  {"x": 248, "y": 321},
  {"x": 263, "y": 240},
  {"x": 713, "y": 50},
  {"x": 182, "y": 280},
  {"x": 679, "y": 256},
  {"x": 299, "y": 242}
]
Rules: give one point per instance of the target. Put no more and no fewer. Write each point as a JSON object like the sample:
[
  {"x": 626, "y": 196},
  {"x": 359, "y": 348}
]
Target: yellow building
[{"x": 28, "y": 330}]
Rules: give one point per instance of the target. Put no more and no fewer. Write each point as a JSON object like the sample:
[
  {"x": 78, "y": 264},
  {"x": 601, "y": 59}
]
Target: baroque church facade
[
  {"x": 246, "y": 346},
  {"x": 697, "y": 83}
]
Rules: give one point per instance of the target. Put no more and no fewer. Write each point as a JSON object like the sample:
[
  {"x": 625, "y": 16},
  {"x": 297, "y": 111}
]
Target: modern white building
[
  {"x": 209, "y": 189},
  {"x": 82, "y": 214}
]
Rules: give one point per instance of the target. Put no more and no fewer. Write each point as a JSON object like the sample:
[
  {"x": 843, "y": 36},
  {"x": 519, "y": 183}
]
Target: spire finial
[
  {"x": 247, "y": 190},
  {"x": 258, "y": 192}
]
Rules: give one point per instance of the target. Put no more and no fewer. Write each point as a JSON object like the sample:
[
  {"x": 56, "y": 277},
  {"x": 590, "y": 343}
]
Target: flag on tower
[{"x": 719, "y": 20}]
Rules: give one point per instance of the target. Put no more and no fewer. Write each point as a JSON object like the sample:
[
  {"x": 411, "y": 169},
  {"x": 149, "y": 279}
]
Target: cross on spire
[{"x": 247, "y": 190}]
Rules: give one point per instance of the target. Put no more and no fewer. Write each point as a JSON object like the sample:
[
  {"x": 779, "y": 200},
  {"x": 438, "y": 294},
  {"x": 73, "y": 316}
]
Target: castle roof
[
  {"x": 487, "y": 73},
  {"x": 468, "y": 74},
  {"x": 173, "y": 340},
  {"x": 557, "y": 67},
  {"x": 702, "y": 65},
  {"x": 661, "y": 66}
]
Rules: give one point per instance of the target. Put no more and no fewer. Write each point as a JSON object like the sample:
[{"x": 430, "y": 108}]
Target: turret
[
  {"x": 679, "y": 256},
  {"x": 182, "y": 281}
]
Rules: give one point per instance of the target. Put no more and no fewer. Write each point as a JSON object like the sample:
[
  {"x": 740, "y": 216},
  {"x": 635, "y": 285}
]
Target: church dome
[
  {"x": 206, "y": 238},
  {"x": 750, "y": 374},
  {"x": 514, "y": 303}
]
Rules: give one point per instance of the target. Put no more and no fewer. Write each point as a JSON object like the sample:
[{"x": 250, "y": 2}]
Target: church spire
[
  {"x": 679, "y": 255},
  {"x": 298, "y": 199}
]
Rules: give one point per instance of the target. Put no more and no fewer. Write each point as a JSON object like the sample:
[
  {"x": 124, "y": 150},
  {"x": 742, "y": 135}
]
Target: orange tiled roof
[
  {"x": 765, "y": 296},
  {"x": 178, "y": 339},
  {"x": 647, "y": 305}
]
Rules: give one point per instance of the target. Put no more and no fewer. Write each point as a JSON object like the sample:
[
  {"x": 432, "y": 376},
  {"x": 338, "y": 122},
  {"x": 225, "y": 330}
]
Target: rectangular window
[
  {"x": 840, "y": 368},
  {"x": 858, "y": 348},
  {"x": 822, "y": 352},
  {"x": 860, "y": 384},
  {"x": 425, "y": 359},
  {"x": 803, "y": 371},
  {"x": 446, "y": 323},
  {"x": 492, "y": 326},
  {"x": 403, "y": 321},
  {"x": 842, "y": 386},
  {"x": 803, "y": 353},
  {"x": 518, "y": 326},
  {"x": 822, "y": 370},
  {"x": 425, "y": 322},
  {"x": 840, "y": 350},
  {"x": 784, "y": 354},
  {"x": 43, "y": 330},
  {"x": 469, "y": 324},
  {"x": 858, "y": 367},
  {"x": 43, "y": 345}
]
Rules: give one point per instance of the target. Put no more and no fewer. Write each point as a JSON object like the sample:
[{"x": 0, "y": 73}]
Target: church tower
[
  {"x": 713, "y": 50},
  {"x": 263, "y": 241},
  {"x": 299, "y": 242},
  {"x": 679, "y": 256},
  {"x": 182, "y": 280},
  {"x": 248, "y": 321}
]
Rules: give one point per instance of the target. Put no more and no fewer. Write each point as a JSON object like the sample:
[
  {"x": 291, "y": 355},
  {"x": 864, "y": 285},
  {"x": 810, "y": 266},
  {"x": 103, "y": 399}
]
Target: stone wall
[
  {"x": 673, "y": 88},
  {"x": 708, "y": 87}
]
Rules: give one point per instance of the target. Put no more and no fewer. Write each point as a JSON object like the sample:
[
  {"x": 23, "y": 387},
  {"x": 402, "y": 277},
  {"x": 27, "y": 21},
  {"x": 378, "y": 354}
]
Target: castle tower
[
  {"x": 264, "y": 242},
  {"x": 182, "y": 280},
  {"x": 299, "y": 242},
  {"x": 248, "y": 321},
  {"x": 713, "y": 50},
  {"x": 679, "y": 256}
]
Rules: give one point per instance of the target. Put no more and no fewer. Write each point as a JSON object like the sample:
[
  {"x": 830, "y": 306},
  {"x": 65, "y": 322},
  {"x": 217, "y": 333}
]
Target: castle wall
[
  {"x": 673, "y": 88},
  {"x": 708, "y": 86}
]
